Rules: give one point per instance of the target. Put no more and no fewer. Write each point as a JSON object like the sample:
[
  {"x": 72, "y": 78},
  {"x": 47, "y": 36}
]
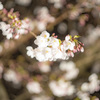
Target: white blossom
[
  {"x": 83, "y": 96},
  {"x": 43, "y": 18},
  {"x": 30, "y": 51},
  {"x": 93, "y": 84},
  {"x": 45, "y": 34},
  {"x": 1, "y": 6},
  {"x": 57, "y": 3},
  {"x": 61, "y": 88},
  {"x": 6, "y": 30},
  {"x": 41, "y": 41},
  {"x": 67, "y": 38},
  {"x": 23, "y": 2},
  {"x": 51, "y": 48},
  {"x": 69, "y": 45},
  {"x": 11, "y": 76},
  {"x": 93, "y": 77},
  {"x": 71, "y": 74},
  {"x": 39, "y": 54},
  {"x": 67, "y": 66},
  {"x": 44, "y": 67},
  {"x": 54, "y": 42},
  {"x": 70, "y": 68},
  {"x": 57, "y": 54},
  {"x": 34, "y": 87},
  {"x": 85, "y": 87},
  {"x": 41, "y": 26},
  {"x": 47, "y": 53}
]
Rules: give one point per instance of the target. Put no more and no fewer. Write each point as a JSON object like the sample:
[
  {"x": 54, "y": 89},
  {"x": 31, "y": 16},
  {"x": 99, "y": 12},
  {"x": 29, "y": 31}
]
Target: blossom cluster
[
  {"x": 34, "y": 87},
  {"x": 93, "y": 34},
  {"x": 93, "y": 84},
  {"x": 90, "y": 87},
  {"x": 43, "y": 18},
  {"x": 57, "y": 3},
  {"x": 50, "y": 48},
  {"x": 70, "y": 69},
  {"x": 62, "y": 88},
  {"x": 11, "y": 76},
  {"x": 17, "y": 29},
  {"x": 23, "y": 2}
]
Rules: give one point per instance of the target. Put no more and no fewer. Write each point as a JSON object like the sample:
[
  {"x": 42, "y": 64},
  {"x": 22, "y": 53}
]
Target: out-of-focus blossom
[
  {"x": 83, "y": 96},
  {"x": 70, "y": 68},
  {"x": 71, "y": 74},
  {"x": 93, "y": 34},
  {"x": 85, "y": 87},
  {"x": 57, "y": 3},
  {"x": 83, "y": 19},
  {"x": 61, "y": 88},
  {"x": 44, "y": 67},
  {"x": 74, "y": 12},
  {"x": 1, "y": 6},
  {"x": 11, "y": 76},
  {"x": 97, "y": 2},
  {"x": 62, "y": 28},
  {"x": 33, "y": 87},
  {"x": 67, "y": 66},
  {"x": 93, "y": 84},
  {"x": 41, "y": 26},
  {"x": 43, "y": 18},
  {"x": 23, "y": 2},
  {"x": 41, "y": 98}
]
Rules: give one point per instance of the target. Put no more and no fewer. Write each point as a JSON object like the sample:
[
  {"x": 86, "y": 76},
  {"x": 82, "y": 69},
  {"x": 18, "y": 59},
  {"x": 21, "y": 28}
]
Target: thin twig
[{"x": 33, "y": 34}]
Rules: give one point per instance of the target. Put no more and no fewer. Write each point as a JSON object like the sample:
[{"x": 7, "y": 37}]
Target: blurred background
[{"x": 23, "y": 78}]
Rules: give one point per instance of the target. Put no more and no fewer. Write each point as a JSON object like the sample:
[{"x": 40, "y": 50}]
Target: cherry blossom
[
  {"x": 43, "y": 18},
  {"x": 1, "y": 6},
  {"x": 57, "y": 3},
  {"x": 23, "y": 2},
  {"x": 51, "y": 48},
  {"x": 61, "y": 88},
  {"x": 11, "y": 76},
  {"x": 70, "y": 68},
  {"x": 34, "y": 87},
  {"x": 93, "y": 84}
]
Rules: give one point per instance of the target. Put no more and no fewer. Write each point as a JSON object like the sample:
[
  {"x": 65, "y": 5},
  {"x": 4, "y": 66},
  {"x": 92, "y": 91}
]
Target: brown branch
[{"x": 3, "y": 93}]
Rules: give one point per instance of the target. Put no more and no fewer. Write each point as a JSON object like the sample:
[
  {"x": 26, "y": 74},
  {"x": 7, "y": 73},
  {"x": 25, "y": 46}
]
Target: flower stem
[{"x": 33, "y": 34}]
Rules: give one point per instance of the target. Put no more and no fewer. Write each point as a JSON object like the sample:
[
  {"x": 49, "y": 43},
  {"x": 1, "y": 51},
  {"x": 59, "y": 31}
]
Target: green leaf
[
  {"x": 76, "y": 36},
  {"x": 60, "y": 41}
]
